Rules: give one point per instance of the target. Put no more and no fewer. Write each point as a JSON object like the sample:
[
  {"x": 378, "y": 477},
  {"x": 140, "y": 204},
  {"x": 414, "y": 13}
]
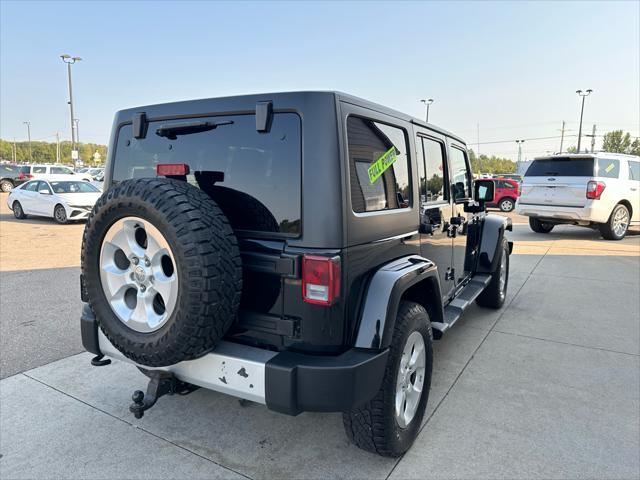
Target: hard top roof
[{"x": 290, "y": 97}]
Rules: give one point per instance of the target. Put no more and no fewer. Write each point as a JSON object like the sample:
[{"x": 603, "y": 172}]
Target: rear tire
[
  {"x": 506, "y": 205},
  {"x": 496, "y": 292},
  {"x": 375, "y": 426},
  {"x": 60, "y": 214},
  {"x": 618, "y": 224},
  {"x": 18, "y": 212},
  {"x": 540, "y": 227}
]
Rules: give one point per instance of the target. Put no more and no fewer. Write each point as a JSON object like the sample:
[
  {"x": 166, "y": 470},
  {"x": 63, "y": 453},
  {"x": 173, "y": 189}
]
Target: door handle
[{"x": 633, "y": 189}]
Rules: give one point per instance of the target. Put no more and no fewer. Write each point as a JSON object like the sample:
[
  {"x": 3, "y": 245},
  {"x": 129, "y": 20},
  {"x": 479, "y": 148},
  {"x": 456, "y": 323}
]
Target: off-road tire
[
  {"x": 607, "y": 230},
  {"x": 18, "y": 212},
  {"x": 494, "y": 296},
  {"x": 373, "y": 426},
  {"x": 504, "y": 204},
  {"x": 60, "y": 214},
  {"x": 540, "y": 227},
  {"x": 6, "y": 185},
  {"x": 207, "y": 262}
]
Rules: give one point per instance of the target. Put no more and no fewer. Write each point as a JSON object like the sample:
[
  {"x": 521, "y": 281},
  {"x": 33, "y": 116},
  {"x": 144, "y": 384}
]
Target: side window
[
  {"x": 460, "y": 175},
  {"x": 634, "y": 171},
  {"x": 435, "y": 167},
  {"x": 39, "y": 169},
  {"x": 43, "y": 186},
  {"x": 378, "y": 165},
  {"x": 31, "y": 186},
  {"x": 607, "y": 168},
  {"x": 61, "y": 171}
]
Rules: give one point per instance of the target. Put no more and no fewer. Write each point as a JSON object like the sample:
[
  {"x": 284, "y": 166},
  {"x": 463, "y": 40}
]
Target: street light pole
[
  {"x": 583, "y": 95},
  {"x": 519, "y": 142},
  {"x": 28, "y": 124},
  {"x": 69, "y": 60},
  {"x": 427, "y": 104}
]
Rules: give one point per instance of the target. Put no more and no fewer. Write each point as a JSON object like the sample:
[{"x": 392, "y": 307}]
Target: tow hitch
[{"x": 160, "y": 383}]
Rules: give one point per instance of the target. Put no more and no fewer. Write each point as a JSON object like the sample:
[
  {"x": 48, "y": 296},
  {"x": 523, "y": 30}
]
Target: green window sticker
[
  {"x": 378, "y": 167},
  {"x": 610, "y": 167}
]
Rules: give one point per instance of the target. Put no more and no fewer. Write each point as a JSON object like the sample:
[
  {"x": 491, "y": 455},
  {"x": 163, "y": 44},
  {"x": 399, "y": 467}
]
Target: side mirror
[
  {"x": 483, "y": 191},
  {"x": 44, "y": 191}
]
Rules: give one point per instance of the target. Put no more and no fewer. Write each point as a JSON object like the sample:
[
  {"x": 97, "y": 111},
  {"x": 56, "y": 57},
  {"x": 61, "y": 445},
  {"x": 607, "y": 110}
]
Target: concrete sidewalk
[{"x": 547, "y": 387}]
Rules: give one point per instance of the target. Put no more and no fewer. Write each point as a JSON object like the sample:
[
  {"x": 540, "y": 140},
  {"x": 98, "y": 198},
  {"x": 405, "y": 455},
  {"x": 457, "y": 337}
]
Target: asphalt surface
[{"x": 546, "y": 387}]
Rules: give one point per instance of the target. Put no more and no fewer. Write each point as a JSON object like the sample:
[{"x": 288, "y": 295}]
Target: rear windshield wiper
[{"x": 172, "y": 131}]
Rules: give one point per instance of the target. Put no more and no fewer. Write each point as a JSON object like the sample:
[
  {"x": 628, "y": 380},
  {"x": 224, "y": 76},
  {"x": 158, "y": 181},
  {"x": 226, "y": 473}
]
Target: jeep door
[
  {"x": 435, "y": 205},
  {"x": 461, "y": 192}
]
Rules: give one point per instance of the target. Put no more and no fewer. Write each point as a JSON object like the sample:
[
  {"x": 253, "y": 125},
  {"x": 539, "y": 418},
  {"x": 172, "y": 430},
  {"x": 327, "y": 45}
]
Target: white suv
[
  {"x": 597, "y": 190},
  {"x": 51, "y": 172}
]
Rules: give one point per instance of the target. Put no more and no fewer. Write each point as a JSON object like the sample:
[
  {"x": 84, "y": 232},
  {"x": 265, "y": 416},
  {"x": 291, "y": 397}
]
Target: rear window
[
  {"x": 255, "y": 177},
  {"x": 8, "y": 170},
  {"x": 561, "y": 167}
]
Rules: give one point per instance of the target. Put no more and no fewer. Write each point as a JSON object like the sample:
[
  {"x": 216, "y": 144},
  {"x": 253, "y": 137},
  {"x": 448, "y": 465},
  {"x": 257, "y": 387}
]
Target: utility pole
[
  {"x": 478, "y": 153},
  {"x": 427, "y": 104},
  {"x": 57, "y": 147},
  {"x": 519, "y": 142},
  {"x": 562, "y": 136},
  {"x": 583, "y": 95},
  {"x": 593, "y": 138},
  {"x": 69, "y": 60},
  {"x": 28, "y": 124},
  {"x": 15, "y": 151}
]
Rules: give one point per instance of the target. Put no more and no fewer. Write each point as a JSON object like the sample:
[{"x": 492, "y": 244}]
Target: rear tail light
[
  {"x": 172, "y": 169},
  {"x": 595, "y": 189},
  {"x": 320, "y": 279}
]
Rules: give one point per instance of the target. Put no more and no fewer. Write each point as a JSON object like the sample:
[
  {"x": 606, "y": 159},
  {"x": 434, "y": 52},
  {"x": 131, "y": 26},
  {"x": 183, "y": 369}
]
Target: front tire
[
  {"x": 618, "y": 224},
  {"x": 18, "y": 212},
  {"x": 496, "y": 292},
  {"x": 506, "y": 205},
  {"x": 6, "y": 186},
  {"x": 390, "y": 422},
  {"x": 60, "y": 214},
  {"x": 540, "y": 227}
]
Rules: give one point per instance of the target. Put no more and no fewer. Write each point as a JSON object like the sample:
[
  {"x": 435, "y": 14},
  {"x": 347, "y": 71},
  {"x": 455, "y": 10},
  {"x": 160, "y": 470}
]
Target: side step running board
[{"x": 461, "y": 302}]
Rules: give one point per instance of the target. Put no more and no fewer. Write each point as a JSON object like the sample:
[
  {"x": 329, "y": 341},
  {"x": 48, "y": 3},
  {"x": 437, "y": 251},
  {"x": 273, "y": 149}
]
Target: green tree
[
  {"x": 45, "y": 152},
  {"x": 618, "y": 142},
  {"x": 490, "y": 164},
  {"x": 572, "y": 149}
]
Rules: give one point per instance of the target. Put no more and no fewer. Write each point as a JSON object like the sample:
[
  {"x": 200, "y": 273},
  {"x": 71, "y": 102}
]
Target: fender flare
[
  {"x": 383, "y": 296},
  {"x": 493, "y": 231}
]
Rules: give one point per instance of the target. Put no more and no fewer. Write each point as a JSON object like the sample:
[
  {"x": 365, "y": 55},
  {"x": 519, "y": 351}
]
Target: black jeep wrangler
[{"x": 300, "y": 250}]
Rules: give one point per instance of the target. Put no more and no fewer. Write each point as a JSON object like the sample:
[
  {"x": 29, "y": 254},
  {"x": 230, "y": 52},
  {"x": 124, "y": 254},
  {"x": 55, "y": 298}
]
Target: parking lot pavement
[
  {"x": 546, "y": 387},
  {"x": 37, "y": 242}
]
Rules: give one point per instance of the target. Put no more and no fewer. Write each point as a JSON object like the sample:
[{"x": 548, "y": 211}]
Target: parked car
[
  {"x": 9, "y": 177},
  {"x": 600, "y": 190},
  {"x": 95, "y": 172},
  {"x": 63, "y": 200},
  {"x": 51, "y": 172},
  {"x": 506, "y": 194},
  {"x": 304, "y": 257},
  {"x": 511, "y": 176}
]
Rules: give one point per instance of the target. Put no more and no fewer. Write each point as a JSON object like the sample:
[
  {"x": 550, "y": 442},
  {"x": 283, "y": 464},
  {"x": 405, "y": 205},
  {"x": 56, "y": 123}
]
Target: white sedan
[{"x": 64, "y": 200}]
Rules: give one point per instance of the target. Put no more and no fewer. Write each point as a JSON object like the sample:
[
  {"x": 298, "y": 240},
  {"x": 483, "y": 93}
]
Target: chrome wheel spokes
[
  {"x": 138, "y": 274},
  {"x": 410, "y": 379}
]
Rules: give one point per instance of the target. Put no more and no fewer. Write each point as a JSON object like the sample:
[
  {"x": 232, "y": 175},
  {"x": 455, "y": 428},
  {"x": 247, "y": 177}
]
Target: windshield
[
  {"x": 561, "y": 167},
  {"x": 73, "y": 187},
  {"x": 255, "y": 177}
]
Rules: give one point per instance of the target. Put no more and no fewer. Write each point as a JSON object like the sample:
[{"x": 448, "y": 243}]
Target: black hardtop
[{"x": 281, "y": 101}]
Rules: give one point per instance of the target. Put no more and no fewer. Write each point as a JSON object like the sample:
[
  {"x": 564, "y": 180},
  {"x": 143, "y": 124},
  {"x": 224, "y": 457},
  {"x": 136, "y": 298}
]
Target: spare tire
[{"x": 161, "y": 269}]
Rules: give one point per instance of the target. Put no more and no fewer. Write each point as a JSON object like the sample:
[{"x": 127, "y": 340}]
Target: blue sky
[{"x": 512, "y": 67}]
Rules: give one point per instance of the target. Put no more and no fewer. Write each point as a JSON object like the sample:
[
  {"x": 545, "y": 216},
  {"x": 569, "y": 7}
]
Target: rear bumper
[
  {"x": 585, "y": 215},
  {"x": 285, "y": 382}
]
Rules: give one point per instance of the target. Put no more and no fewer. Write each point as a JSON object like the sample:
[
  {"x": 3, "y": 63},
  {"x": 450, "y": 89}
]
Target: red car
[{"x": 506, "y": 193}]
